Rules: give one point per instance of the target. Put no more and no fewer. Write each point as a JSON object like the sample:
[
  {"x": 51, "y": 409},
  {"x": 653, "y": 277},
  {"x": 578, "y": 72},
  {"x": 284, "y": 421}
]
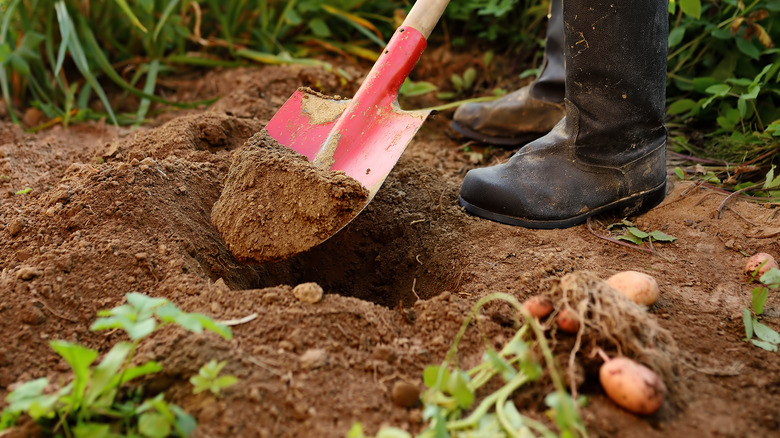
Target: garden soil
[{"x": 116, "y": 210}]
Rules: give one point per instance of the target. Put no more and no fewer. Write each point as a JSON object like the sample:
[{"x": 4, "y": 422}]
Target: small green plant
[
  {"x": 452, "y": 391},
  {"x": 767, "y": 338},
  {"x": 638, "y": 237},
  {"x": 208, "y": 378},
  {"x": 23, "y": 191},
  {"x": 97, "y": 403},
  {"x": 411, "y": 88}
]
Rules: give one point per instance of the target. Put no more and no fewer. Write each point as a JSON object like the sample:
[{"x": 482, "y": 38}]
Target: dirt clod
[
  {"x": 310, "y": 293},
  {"x": 313, "y": 358},
  {"x": 276, "y": 204},
  {"x": 27, "y": 273},
  {"x": 15, "y": 227}
]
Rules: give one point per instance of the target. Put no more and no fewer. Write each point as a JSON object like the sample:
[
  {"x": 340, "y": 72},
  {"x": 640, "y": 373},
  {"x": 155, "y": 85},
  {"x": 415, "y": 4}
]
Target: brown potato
[
  {"x": 636, "y": 286},
  {"x": 633, "y": 386},
  {"x": 756, "y": 261},
  {"x": 538, "y": 306},
  {"x": 568, "y": 321}
]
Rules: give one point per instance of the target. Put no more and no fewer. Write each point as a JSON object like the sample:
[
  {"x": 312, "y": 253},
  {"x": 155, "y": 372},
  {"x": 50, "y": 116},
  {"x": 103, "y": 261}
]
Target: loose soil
[
  {"x": 115, "y": 210},
  {"x": 276, "y": 203}
]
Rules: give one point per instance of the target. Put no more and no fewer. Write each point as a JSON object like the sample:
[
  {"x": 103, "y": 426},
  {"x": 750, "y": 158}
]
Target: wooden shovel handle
[{"x": 425, "y": 14}]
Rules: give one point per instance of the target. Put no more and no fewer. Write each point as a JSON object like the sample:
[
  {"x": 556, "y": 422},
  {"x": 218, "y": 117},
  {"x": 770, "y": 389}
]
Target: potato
[
  {"x": 633, "y": 386},
  {"x": 762, "y": 259},
  {"x": 538, "y": 306},
  {"x": 568, "y": 321},
  {"x": 636, "y": 286}
]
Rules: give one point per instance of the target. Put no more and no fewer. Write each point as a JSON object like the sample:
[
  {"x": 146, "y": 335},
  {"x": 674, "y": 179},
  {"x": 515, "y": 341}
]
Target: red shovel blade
[{"x": 364, "y": 136}]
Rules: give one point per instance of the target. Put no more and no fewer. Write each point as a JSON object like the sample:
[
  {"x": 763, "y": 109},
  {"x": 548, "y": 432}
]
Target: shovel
[{"x": 364, "y": 136}]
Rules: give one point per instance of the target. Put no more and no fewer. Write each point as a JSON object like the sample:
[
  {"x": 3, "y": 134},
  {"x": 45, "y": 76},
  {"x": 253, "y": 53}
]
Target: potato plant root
[
  {"x": 614, "y": 323},
  {"x": 115, "y": 210}
]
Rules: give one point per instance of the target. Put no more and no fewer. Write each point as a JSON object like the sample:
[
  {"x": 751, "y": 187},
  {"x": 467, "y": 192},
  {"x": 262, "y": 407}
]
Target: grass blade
[
  {"x": 164, "y": 18},
  {"x": 151, "y": 81},
  {"x": 80, "y": 58},
  {"x": 362, "y": 25},
  {"x": 108, "y": 70},
  {"x": 129, "y": 13},
  {"x": 4, "y": 85}
]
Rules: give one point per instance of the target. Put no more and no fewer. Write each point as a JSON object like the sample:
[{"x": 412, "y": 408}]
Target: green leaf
[
  {"x": 513, "y": 415},
  {"x": 435, "y": 376},
  {"x": 131, "y": 373},
  {"x": 79, "y": 358},
  {"x": 748, "y": 48},
  {"x": 153, "y": 425},
  {"x": 681, "y": 106},
  {"x": 630, "y": 238},
  {"x": 392, "y": 432},
  {"x": 144, "y": 305},
  {"x": 637, "y": 232},
  {"x": 691, "y": 8},
  {"x": 770, "y": 180},
  {"x": 500, "y": 364},
  {"x": 457, "y": 81},
  {"x": 765, "y": 333},
  {"x": 215, "y": 327},
  {"x": 718, "y": 89},
  {"x": 222, "y": 382},
  {"x": 410, "y": 88},
  {"x": 747, "y": 319},
  {"x": 680, "y": 173},
  {"x": 130, "y": 15},
  {"x": 458, "y": 386},
  {"x": 469, "y": 76},
  {"x": 27, "y": 390},
  {"x": 661, "y": 236},
  {"x": 771, "y": 278},
  {"x": 105, "y": 371},
  {"x": 184, "y": 423},
  {"x": 676, "y": 36},
  {"x": 319, "y": 27},
  {"x": 356, "y": 431},
  {"x": 765, "y": 345}
]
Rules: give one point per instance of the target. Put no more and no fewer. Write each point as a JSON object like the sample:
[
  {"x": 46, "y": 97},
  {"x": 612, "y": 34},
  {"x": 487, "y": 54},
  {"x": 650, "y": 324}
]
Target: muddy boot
[
  {"x": 528, "y": 113},
  {"x": 608, "y": 153}
]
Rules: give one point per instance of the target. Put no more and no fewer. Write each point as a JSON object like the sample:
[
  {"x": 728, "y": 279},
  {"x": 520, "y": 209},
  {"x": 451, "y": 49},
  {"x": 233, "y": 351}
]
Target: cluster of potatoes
[{"x": 628, "y": 383}]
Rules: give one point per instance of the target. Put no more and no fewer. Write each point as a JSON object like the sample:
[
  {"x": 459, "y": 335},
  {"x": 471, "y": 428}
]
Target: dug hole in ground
[{"x": 115, "y": 210}]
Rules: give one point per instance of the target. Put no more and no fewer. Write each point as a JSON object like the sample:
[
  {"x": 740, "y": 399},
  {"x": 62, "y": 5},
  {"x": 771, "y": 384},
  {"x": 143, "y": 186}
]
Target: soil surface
[
  {"x": 276, "y": 203},
  {"x": 115, "y": 210}
]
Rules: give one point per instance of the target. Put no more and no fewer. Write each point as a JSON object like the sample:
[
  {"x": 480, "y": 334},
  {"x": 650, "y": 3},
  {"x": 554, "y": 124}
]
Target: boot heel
[{"x": 642, "y": 202}]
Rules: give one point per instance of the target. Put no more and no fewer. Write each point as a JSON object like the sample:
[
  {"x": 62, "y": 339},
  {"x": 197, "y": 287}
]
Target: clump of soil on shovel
[{"x": 276, "y": 203}]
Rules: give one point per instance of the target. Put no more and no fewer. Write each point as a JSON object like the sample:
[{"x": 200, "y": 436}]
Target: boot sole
[
  {"x": 631, "y": 205},
  {"x": 498, "y": 141}
]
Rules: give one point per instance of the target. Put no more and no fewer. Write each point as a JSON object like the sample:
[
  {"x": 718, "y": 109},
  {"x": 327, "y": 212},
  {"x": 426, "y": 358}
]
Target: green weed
[
  {"x": 452, "y": 391},
  {"x": 638, "y": 237},
  {"x": 95, "y": 403},
  {"x": 208, "y": 378},
  {"x": 765, "y": 337}
]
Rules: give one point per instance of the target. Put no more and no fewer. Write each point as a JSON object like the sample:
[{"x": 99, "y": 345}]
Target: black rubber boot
[
  {"x": 525, "y": 114},
  {"x": 609, "y": 152}
]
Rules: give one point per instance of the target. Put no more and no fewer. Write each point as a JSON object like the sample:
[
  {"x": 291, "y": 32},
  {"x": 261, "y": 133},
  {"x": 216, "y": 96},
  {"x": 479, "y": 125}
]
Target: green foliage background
[{"x": 61, "y": 55}]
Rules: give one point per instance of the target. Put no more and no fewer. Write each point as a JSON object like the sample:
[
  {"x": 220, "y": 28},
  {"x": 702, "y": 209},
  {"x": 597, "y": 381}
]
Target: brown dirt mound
[{"x": 276, "y": 203}]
